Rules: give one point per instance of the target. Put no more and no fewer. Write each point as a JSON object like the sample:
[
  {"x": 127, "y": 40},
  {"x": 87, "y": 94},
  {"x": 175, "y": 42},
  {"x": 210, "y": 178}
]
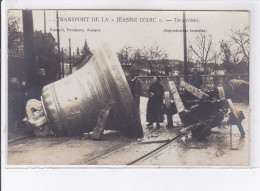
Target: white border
[{"x": 64, "y": 179}]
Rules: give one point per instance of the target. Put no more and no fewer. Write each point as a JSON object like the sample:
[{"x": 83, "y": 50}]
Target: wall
[{"x": 210, "y": 80}]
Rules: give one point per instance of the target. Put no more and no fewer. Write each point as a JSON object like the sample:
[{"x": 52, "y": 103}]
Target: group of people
[
  {"x": 154, "y": 111},
  {"x": 19, "y": 92}
]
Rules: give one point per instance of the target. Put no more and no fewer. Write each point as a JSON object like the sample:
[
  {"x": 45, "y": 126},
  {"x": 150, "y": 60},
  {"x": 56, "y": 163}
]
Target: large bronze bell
[{"x": 73, "y": 104}]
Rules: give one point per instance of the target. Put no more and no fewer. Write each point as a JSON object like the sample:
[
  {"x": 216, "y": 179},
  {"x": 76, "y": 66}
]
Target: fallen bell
[{"x": 76, "y": 104}]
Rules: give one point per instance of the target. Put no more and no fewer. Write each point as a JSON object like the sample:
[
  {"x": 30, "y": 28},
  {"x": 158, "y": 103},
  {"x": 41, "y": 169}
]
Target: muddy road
[{"x": 219, "y": 149}]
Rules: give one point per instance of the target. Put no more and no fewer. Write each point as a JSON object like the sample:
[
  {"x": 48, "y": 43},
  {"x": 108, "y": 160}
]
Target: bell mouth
[{"x": 123, "y": 96}]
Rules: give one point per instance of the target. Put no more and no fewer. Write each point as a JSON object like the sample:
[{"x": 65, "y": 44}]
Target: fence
[{"x": 211, "y": 81}]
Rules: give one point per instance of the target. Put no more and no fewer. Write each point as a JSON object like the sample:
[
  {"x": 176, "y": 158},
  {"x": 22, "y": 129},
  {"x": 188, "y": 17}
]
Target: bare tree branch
[
  {"x": 241, "y": 38},
  {"x": 202, "y": 49}
]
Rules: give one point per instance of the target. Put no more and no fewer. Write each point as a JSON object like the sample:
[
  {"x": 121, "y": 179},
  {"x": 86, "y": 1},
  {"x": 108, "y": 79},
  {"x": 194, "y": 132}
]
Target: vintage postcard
[{"x": 128, "y": 87}]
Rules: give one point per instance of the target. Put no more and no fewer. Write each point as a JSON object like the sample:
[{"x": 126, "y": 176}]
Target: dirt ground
[{"x": 114, "y": 149}]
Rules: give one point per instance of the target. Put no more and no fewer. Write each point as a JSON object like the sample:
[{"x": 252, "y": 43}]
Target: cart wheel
[
  {"x": 42, "y": 131},
  {"x": 237, "y": 118}
]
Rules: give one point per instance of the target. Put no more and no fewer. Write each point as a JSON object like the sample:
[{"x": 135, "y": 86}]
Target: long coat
[
  {"x": 16, "y": 105},
  {"x": 136, "y": 90},
  {"x": 154, "y": 107},
  {"x": 196, "y": 80}
]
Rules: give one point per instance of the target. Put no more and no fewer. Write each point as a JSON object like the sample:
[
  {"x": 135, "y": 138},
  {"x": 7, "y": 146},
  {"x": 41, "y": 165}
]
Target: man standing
[
  {"x": 16, "y": 104},
  {"x": 196, "y": 79},
  {"x": 135, "y": 86},
  {"x": 154, "y": 107},
  {"x": 41, "y": 81}
]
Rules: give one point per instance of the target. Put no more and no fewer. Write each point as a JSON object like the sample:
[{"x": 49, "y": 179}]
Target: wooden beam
[
  {"x": 155, "y": 141},
  {"x": 168, "y": 109},
  {"x": 195, "y": 91},
  {"x": 177, "y": 100},
  {"x": 237, "y": 118},
  {"x": 100, "y": 127}
]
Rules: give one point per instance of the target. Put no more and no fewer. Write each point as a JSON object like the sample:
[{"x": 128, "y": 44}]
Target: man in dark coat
[
  {"x": 154, "y": 107},
  {"x": 16, "y": 104},
  {"x": 196, "y": 79},
  {"x": 41, "y": 81},
  {"x": 135, "y": 85}
]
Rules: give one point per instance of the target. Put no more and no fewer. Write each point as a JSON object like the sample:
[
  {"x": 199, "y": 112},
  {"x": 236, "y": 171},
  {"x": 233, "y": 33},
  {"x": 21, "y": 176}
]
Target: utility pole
[
  {"x": 62, "y": 59},
  {"x": 44, "y": 26},
  {"x": 44, "y": 23},
  {"x": 30, "y": 65},
  {"x": 73, "y": 58},
  {"x": 58, "y": 39},
  {"x": 185, "y": 48},
  {"x": 70, "y": 56}
]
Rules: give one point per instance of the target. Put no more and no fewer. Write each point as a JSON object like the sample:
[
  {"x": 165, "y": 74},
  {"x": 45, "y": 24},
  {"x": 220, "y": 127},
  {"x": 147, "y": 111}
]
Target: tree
[
  {"x": 241, "y": 39},
  {"x": 145, "y": 57},
  {"x": 15, "y": 36},
  {"x": 125, "y": 54},
  {"x": 215, "y": 59},
  {"x": 45, "y": 50},
  {"x": 231, "y": 55},
  {"x": 190, "y": 55},
  {"x": 236, "y": 50},
  {"x": 85, "y": 50},
  {"x": 78, "y": 51},
  {"x": 155, "y": 56},
  {"x": 137, "y": 56},
  {"x": 202, "y": 49},
  {"x": 225, "y": 48},
  {"x": 226, "y": 55}
]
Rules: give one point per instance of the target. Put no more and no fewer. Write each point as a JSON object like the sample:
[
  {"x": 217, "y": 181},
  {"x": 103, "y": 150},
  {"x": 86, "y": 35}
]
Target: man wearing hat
[
  {"x": 155, "y": 103},
  {"x": 196, "y": 79},
  {"x": 135, "y": 86}
]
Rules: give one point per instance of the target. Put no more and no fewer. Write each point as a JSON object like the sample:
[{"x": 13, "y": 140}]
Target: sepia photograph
[{"x": 143, "y": 88}]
